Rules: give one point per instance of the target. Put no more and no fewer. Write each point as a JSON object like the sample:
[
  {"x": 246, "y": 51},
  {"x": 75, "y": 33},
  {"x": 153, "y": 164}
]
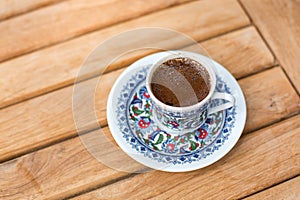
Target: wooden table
[{"x": 42, "y": 46}]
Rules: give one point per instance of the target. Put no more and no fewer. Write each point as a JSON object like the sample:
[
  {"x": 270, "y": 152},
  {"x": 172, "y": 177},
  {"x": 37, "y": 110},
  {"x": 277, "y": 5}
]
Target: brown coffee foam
[{"x": 180, "y": 82}]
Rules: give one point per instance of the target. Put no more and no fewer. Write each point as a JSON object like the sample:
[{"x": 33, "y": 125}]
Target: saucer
[{"x": 129, "y": 115}]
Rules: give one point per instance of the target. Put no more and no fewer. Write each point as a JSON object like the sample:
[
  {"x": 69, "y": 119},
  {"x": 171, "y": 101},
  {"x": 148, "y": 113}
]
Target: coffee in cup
[{"x": 180, "y": 82}]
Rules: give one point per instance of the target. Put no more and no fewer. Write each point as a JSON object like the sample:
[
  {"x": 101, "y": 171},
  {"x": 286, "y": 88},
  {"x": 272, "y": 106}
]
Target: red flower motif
[
  {"x": 203, "y": 133},
  {"x": 146, "y": 95},
  {"x": 171, "y": 147},
  {"x": 174, "y": 124},
  {"x": 143, "y": 124}
]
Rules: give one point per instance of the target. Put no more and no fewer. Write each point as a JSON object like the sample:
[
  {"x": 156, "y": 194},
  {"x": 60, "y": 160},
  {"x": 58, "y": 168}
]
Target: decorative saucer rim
[{"x": 224, "y": 149}]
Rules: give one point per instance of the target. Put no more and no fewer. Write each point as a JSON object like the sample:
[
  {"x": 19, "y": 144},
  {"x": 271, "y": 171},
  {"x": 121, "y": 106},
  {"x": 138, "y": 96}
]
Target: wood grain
[
  {"x": 259, "y": 160},
  {"x": 278, "y": 21},
  {"x": 10, "y": 8},
  {"x": 269, "y": 98},
  {"x": 62, "y": 170},
  {"x": 34, "y": 117},
  {"x": 32, "y": 30},
  {"x": 67, "y": 168},
  {"x": 242, "y": 52},
  {"x": 41, "y": 156},
  {"x": 45, "y": 119},
  {"x": 37, "y": 127},
  {"x": 288, "y": 190},
  {"x": 57, "y": 66}
]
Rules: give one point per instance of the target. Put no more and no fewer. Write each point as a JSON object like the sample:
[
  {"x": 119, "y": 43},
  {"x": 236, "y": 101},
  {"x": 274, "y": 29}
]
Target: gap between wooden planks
[
  {"x": 48, "y": 119},
  {"x": 12, "y": 8},
  {"x": 278, "y": 21},
  {"x": 57, "y": 66},
  {"x": 288, "y": 190},
  {"x": 66, "y": 20},
  {"x": 259, "y": 160},
  {"x": 270, "y": 111},
  {"x": 25, "y": 170}
]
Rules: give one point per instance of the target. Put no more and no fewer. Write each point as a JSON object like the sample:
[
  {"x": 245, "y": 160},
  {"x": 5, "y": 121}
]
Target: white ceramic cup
[{"x": 180, "y": 120}]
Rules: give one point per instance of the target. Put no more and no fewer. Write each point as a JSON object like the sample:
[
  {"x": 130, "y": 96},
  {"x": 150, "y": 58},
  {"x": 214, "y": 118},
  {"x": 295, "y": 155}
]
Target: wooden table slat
[
  {"x": 66, "y": 168},
  {"x": 37, "y": 29},
  {"x": 43, "y": 71},
  {"x": 288, "y": 190},
  {"x": 259, "y": 160},
  {"x": 44, "y": 43},
  {"x": 268, "y": 102},
  {"x": 278, "y": 22},
  {"x": 58, "y": 171},
  {"x": 35, "y": 116},
  {"x": 10, "y": 8},
  {"x": 260, "y": 154},
  {"x": 242, "y": 52}
]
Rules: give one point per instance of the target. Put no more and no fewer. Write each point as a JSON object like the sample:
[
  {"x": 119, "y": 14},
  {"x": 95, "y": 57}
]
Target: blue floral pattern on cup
[{"x": 180, "y": 121}]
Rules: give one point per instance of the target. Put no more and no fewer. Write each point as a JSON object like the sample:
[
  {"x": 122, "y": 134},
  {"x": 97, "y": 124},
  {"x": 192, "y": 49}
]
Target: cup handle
[{"x": 225, "y": 96}]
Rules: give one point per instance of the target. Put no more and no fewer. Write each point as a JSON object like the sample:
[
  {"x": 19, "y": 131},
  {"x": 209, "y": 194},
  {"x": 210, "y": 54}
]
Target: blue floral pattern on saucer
[
  {"x": 134, "y": 114},
  {"x": 148, "y": 132}
]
